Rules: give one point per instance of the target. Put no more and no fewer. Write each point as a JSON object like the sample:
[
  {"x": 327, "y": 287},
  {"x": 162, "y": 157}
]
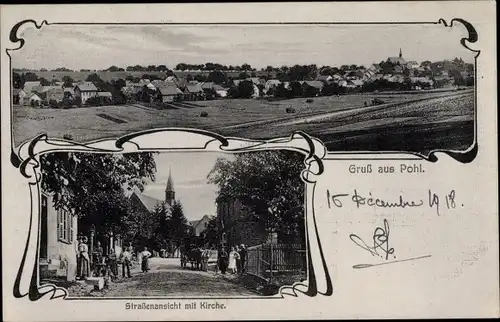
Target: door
[{"x": 43, "y": 228}]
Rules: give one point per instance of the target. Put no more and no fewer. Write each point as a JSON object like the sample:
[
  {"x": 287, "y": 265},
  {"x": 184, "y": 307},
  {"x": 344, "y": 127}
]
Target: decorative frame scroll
[{"x": 319, "y": 281}]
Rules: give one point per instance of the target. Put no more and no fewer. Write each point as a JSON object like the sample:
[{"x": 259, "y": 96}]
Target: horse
[{"x": 194, "y": 257}]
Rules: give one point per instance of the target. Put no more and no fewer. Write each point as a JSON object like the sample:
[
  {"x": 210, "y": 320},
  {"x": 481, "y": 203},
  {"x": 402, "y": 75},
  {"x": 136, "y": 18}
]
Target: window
[{"x": 64, "y": 226}]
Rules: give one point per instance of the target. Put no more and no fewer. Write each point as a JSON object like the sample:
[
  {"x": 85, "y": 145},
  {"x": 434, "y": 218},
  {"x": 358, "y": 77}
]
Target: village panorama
[{"x": 381, "y": 107}]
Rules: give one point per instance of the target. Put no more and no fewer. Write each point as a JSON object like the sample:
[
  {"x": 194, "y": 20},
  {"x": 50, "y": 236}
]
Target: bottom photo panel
[{"x": 172, "y": 224}]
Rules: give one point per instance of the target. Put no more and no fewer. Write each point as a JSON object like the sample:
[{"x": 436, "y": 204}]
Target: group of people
[
  {"x": 234, "y": 262},
  {"x": 107, "y": 265}
]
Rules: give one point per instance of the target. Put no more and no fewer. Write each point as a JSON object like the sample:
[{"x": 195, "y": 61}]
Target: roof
[
  {"x": 35, "y": 96},
  {"x": 169, "y": 89},
  {"x": 272, "y": 82},
  {"x": 316, "y": 84},
  {"x": 29, "y": 85},
  {"x": 16, "y": 91},
  {"x": 170, "y": 183},
  {"x": 195, "y": 223},
  {"x": 396, "y": 60},
  {"x": 69, "y": 90},
  {"x": 58, "y": 92},
  {"x": 104, "y": 94},
  {"x": 87, "y": 87},
  {"x": 194, "y": 88},
  {"x": 149, "y": 202},
  {"x": 219, "y": 88},
  {"x": 208, "y": 85},
  {"x": 323, "y": 77},
  {"x": 157, "y": 82},
  {"x": 48, "y": 88}
]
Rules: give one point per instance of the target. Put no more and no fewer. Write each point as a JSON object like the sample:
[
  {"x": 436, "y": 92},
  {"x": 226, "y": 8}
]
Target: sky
[
  {"x": 99, "y": 47},
  {"x": 189, "y": 175}
]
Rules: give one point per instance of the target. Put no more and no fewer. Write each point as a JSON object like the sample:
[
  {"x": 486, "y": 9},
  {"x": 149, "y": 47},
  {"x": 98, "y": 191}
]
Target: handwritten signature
[{"x": 380, "y": 242}]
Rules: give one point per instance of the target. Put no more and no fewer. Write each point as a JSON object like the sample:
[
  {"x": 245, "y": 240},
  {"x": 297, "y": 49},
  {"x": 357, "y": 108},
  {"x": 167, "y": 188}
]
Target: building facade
[
  {"x": 58, "y": 241},
  {"x": 238, "y": 226},
  {"x": 85, "y": 91}
]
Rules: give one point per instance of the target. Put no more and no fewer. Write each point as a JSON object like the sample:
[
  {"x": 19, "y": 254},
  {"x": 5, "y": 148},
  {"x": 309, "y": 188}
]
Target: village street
[{"x": 166, "y": 278}]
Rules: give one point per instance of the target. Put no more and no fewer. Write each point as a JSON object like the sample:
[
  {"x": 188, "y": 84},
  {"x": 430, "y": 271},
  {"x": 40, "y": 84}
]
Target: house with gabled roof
[
  {"x": 18, "y": 95},
  {"x": 28, "y": 86},
  {"x": 194, "y": 91},
  {"x": 168, "y": 92},
  {"x": 198, "y": 226},
  {"x": 85, "y": 90}
]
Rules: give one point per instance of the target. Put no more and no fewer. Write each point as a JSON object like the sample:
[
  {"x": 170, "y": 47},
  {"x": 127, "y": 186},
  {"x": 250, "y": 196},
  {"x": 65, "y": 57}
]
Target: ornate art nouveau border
[
  {"x": 319, "y": 281},
  {"x": 168, "y": 140}
]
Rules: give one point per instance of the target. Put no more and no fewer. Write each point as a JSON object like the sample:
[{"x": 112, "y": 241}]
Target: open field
[{"x": 343, "y": 122}]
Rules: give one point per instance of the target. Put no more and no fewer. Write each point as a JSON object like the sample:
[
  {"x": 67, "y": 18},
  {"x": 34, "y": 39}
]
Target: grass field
[{"x": 341, "y": 122}]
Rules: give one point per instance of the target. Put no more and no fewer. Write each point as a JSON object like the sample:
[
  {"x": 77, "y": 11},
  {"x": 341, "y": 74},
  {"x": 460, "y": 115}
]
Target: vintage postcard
[{"x": 249, "y": 161}]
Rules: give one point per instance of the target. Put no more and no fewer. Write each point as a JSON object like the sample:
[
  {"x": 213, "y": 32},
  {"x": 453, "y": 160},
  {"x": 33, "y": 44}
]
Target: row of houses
[{"x": 34, "y": 94}]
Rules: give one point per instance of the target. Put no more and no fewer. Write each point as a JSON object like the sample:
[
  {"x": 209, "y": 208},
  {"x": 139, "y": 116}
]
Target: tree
[
  {"x": 67, "y": 81},
  {"x": 189, "y": 78},
  {"x": 246, "y": 67},
  {"x": 217, "y": 77},
  {"x": 30, "y": 77},
  {"x": 200, "y": 78},
  {"x": 94, "y": 78},
  {"x": 269, "y": 184},
  {"x": 92, "y": 185},
  {"x": 243, "y": 75},
  {"x": 177, "y": 224},
  {"x": 114, "y": 69},
  {"x": 44, "y": 82},
  {"x": 17, "y": 80},
  {"x": 245, "y": 89}
]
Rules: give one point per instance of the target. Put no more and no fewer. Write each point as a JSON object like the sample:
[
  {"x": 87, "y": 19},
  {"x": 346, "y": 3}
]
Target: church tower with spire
[
  {"x": 400, "y": 53},
  {"x": 169, "y": 190}
]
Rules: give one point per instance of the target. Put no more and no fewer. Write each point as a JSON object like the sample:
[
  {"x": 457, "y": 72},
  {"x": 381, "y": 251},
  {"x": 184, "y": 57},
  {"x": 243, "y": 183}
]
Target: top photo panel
[{"x": 362, "y": 87}]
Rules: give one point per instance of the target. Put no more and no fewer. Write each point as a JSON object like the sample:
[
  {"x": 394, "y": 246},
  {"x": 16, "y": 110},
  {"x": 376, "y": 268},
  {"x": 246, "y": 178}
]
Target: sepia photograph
[
  {"x": 190, "y": 224},
  {"x": 383, "y": 87}
]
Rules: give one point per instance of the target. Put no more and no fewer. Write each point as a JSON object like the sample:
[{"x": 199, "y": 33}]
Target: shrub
[
  {"x": 310, "y": 100},
  {"x": 290, "y": 110},
  {"x": 68, "y": 137},
  {"x": 204, "y": 114}
]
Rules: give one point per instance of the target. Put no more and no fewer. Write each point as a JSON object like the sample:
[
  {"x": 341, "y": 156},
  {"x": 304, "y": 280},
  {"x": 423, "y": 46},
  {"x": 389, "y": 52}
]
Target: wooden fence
[{"x": 266, "y": 259}]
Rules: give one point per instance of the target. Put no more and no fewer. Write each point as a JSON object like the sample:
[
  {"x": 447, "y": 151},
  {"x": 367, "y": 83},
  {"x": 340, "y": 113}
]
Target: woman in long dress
[
  {"x": 83, "y": 259},
  {"x": 145, "y": 255},
  {"x": 232, "y": 260}
]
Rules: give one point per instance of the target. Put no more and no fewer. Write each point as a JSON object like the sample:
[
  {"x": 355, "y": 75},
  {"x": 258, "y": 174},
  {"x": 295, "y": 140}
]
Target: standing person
[
  {"x": 126, "y": 259},
  {"x": 98, "y": 259},
  {"x": 238, "y": 260},
  {"x": 243, "y": 258},
  {"x": 113, "y": 264},
  {"x": 232, "y": 261},
  {"x": 83, "y": 259},
  {"x": 145, "y": 255},
  {"x": 223, "y": 260}
]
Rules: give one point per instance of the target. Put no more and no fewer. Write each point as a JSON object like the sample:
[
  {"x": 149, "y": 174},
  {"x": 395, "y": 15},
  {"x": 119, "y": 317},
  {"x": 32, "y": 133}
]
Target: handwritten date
[{"x": 434, "y": 201}]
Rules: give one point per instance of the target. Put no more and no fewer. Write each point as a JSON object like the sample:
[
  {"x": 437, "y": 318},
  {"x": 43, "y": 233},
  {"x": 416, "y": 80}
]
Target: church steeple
[
  {"x": 400, "y": 53},
  {"x": 169, "y": 190}
]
